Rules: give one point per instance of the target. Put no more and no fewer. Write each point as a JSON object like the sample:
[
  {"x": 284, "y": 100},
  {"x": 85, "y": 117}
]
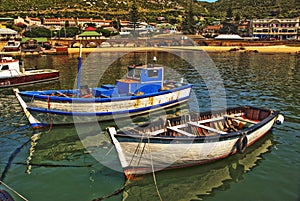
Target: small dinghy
[{"x": 192, "y": 139}]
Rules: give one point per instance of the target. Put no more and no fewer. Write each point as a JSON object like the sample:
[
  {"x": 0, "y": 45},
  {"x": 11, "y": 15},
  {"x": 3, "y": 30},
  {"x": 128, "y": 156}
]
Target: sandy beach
[
  {"x": 259, "y": 49},
  {"x": 256, "y": 49}
]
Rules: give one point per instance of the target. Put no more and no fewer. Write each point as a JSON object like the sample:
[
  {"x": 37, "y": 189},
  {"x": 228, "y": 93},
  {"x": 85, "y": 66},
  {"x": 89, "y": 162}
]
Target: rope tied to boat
[
  {"x": 116, "y": 192},
  {"x": 50, "y": 119},
  {"x": 14, "y": 191},
  {"x": 48, "y": 100},
  {"x": 153, "y": 172}
]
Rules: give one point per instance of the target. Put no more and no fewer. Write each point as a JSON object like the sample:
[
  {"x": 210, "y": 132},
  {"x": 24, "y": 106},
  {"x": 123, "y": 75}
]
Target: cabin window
[
  {"x": 137, "y": 73},
  {"x": 130, "y": 72},
  {"x": 5, "y": 67},
  {"x": 152, "y": 73}
]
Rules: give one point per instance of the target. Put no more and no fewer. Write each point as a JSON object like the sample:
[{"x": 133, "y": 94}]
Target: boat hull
[
  {"x": 142, "y": 155},
  {"x": 50, "y": 110},
  {"x": 30, "y": 77}
]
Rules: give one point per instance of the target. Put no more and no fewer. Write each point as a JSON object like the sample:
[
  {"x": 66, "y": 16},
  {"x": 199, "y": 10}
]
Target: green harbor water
[{"x": 79, "y": 163}]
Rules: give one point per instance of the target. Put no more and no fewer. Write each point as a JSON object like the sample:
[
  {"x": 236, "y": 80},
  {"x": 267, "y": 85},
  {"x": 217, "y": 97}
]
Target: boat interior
[{"x": 206, "y": 124}]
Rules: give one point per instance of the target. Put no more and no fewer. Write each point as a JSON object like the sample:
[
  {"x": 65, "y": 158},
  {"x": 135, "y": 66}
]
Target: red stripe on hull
[{"x": 28, "y": 79}]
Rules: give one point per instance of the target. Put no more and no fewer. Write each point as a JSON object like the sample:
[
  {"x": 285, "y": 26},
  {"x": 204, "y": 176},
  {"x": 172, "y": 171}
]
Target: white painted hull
[{"x": 141, "y": 157}]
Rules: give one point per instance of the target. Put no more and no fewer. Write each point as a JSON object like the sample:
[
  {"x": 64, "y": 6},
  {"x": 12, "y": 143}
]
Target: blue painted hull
[{"x": 48, "y": 109}]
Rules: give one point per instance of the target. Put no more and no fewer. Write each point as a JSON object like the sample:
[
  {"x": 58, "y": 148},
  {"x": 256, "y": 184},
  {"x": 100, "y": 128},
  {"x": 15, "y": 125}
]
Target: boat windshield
[
  {"x": 4, "y": 67},
  {"x": 134, "y": 73},
  {"x": 137, "y": 73},
  {"x": 130, "y": 72}
]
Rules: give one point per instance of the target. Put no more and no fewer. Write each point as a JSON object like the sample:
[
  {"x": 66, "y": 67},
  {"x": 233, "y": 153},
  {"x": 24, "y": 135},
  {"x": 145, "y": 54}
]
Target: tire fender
[{"x": 241, "y": 144}]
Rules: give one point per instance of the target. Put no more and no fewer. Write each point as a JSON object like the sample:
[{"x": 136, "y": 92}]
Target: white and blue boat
[{"x": 143, "y": 90}]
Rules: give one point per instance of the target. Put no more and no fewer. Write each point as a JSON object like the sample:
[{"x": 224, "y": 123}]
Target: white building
[
  {"x": 7, "y": 33},
  {"x": 279, "y": 29},
  {"x": 57, "y": 23},
  {"x": 28, "y": 21}
]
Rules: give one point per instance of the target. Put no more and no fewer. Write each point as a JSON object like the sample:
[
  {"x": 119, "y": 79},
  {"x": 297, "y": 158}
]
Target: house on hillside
[
  {"x": 5, "y": 20},
  {"x": 28, "y": 21},
  {"x": 212, "y": 30},
  {"x": 57, "y": 23},
  {"x": 276, "y": 29},
  {"x": 98, "y": 22},
  {"x": 244, "y": 28}
]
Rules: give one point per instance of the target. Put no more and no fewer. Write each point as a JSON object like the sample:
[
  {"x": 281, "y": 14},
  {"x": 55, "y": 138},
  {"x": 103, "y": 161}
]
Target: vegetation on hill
[
  {"x": 149, "y": 10},
  {"x": 191, "y": 15},
  {"x": 256, "y": 8}
]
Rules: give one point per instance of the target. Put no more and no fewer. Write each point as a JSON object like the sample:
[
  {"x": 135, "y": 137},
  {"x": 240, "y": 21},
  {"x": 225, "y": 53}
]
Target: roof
[
  {"x": 39, "y": 40},
  {"x": 89, "y": 34},
  {"x": 213, "y": 27},
  {"x": 6, "y": 18},
  {"x": 34, "y": 19},
  {"x": 8, "y": 31},
  {"x": 90, "y": 29},
  {"x": 229, "y": 37},
  {"x": 111, "y": 29}
]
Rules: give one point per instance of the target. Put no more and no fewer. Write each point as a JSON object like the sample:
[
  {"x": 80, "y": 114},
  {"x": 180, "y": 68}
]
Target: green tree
[
  {"x": 189, "y": 23},
  {"x": 104, "y": 32},
  {"x": 33, "y": 32},
  {"x": 116, "y": 24},
  {"x": 134, "y": 16},
  {"x": 229, "y": 28},
  {"x": 68, "y": 32}
]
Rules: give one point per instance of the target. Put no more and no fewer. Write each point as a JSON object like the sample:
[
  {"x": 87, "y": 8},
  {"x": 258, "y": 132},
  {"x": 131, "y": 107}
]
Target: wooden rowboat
[{"x": 192, "y": 139}]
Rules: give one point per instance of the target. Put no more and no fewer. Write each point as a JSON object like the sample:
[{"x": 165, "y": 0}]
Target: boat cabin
[
  {"x": 12, "y": 46},
  {"x": 9, "y": 67},
  {"x": 142, "y": 79}
]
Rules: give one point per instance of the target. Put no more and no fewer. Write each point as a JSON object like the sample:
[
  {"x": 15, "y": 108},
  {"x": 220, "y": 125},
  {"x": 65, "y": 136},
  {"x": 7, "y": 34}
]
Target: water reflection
[
  {"x": 262, "y": 80},
  {"x": 63, "y": 146},
  {"x": 68, "y": 168}
]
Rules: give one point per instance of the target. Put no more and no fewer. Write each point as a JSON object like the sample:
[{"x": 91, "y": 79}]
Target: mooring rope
[
  {"x": 116, "y": 192},
  {"x": 135, "y": 154},
  {"x": 153, "y": 172},
  {"x": 18, "y": 194},
  {"x": 49, "y": 115}
]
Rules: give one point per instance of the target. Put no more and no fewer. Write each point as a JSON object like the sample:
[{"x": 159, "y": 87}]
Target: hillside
[
  {"x": 149, "y": 10},
  {"x": 256, "y": 8}
]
